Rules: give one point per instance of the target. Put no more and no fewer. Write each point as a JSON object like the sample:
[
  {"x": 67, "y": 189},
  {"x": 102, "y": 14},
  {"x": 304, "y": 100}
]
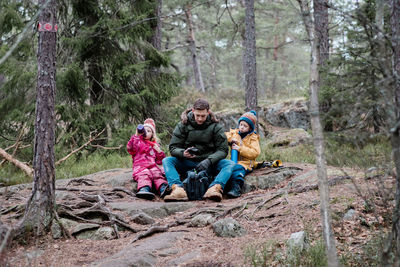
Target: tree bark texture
[
  {"x": 192, "y": 46},
  {"x": 395, "y": 28},
  {"x": 39, "y": 210},
  {"x": 318, "y": 138},
  {"x": 321, "y": 20},
  {"x": 250, "y": 71},
  {"x": 156, "y": 26},
  {"x": 275, "y": 54}
]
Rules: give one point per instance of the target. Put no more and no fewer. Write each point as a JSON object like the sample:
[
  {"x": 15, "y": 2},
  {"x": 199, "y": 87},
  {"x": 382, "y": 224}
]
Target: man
[{"x": 198, "y": 129}]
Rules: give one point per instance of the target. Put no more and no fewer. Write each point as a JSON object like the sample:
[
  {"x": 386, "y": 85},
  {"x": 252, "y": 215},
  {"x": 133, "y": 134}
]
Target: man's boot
[
  {"x": 214, "y": 193},
  {"x": 236, "y": 189},
  {"x": 145, "y": 192},
  {"x": 177, "y": 194}
]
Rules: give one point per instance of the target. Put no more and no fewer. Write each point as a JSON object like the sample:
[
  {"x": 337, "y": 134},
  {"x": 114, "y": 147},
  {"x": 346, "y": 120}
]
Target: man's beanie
[
  {"x": 150, "y": 123},
  {"x": 249, "y": 117}
]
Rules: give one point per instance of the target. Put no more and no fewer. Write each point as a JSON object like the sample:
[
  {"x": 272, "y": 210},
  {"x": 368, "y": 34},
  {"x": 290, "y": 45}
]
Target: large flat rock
[
  {"x": 143, "y": 253},
  {"x": 151, "y": 208}
]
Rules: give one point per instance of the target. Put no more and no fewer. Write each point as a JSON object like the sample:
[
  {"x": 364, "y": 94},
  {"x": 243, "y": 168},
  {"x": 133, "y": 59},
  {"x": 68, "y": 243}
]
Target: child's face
[
  {"x": 244, "y": 127},
  {"x": 149, "y": 133}
]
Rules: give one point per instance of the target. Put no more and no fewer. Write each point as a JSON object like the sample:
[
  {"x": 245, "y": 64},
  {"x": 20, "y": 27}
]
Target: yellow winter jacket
[{"x": 249, "y": 148}]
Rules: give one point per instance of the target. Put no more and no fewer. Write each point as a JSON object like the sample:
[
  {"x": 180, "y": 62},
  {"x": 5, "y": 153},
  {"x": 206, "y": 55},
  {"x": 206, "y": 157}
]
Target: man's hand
[
  {"x": 203, "y": 165},
  {"x": 187, "y": 154}
]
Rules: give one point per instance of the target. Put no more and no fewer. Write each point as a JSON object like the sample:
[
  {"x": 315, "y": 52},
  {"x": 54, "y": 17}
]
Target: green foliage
[
  {"x": 272, "y": 254},
  {"x": 370, "y": 253},
  {"x": 341, "y": 151},
  {"x": 353, "y": 94},
  {"x": 75, "y": 166}
]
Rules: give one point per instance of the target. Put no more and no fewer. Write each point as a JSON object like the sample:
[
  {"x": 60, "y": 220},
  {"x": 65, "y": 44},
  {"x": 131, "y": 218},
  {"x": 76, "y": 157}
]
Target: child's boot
[
  {"x": 236, "y": 189},
  {"x": 164, "y": 190},
  {"x": 145, "y": 192}
]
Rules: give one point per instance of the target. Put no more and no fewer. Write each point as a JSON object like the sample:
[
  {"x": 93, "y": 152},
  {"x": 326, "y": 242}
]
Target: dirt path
[{"x": 267, "y": 215}]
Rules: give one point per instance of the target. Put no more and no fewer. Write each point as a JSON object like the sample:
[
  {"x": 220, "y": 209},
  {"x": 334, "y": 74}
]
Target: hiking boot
[
  {"x": 236, "y": 189},
  {"x": 177, "y": 194},
  {"x": 164, "y": 190},
  {"x": 214, "y": 193},
  {"x": 145, "y": 192}
]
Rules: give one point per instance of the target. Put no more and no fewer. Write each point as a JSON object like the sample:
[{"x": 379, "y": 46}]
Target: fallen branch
[
  {"x": 107, "y": 148},
  {"x": 24, "y": 167},
  {"x": 80, "y": 148}
]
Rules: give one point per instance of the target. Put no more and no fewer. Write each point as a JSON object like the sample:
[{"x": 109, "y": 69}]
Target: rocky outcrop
[{"x": 291, "y": 114}]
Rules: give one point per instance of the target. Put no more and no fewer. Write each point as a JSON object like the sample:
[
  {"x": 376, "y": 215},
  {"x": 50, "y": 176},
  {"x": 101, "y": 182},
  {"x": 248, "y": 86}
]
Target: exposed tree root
[{"x": 154, "y": 229}]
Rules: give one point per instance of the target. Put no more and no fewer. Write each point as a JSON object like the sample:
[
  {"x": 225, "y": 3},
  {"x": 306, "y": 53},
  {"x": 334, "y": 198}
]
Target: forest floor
[{"x": 268, "y": 216}]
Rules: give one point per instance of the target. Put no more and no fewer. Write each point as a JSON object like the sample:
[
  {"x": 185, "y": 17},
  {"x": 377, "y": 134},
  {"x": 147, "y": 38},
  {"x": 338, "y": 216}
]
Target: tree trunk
[
  {"x": 318, "y": 137},
  {"x": 321, "y": 19},
  {"x": 250, "y": 71},
  {"x": 192, "y": 47},
  {"x": 156, "y": 26},
  {"x": 395, "y": 27},
  {"x": 275, "y": 54},
  {"x": 39, "y": 209}
]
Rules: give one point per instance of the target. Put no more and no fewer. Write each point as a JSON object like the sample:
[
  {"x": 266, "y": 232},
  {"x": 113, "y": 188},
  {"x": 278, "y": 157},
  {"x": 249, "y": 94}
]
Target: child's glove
[{"x": 203, "y": 165}]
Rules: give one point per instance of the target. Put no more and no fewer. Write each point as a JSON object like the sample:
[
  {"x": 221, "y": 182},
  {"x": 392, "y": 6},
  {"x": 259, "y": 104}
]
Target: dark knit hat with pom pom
[{"x": 249, "y": 117}]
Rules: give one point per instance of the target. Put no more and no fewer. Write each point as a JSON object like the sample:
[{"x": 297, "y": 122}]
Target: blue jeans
[
  {"x": 238, "y": 172},
  {"x": 174, "y": 166}
]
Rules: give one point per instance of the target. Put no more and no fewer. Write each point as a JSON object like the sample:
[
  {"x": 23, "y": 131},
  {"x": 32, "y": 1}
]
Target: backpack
[{"x": 196, "y": 184}]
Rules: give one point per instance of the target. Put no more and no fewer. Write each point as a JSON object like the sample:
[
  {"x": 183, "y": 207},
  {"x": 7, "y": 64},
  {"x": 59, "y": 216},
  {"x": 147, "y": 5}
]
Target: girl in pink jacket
[{"x": 146, "y": 156}]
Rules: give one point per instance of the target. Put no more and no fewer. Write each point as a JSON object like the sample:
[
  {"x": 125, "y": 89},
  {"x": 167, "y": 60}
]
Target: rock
[
  {"x": 268, "y": 178},
  {"x": 291, "y": 114},
  {"x": 297, "y": 241},
  {"x": 168, "y": 252},
  {"x": 103, "y": 233},
  {"x": 228, "y": 227},
  {"x": 349, "y": 215},
  {"x": 153, "y": 209},
  {"x": 83, "y": 227},
  {"x": 34, "y": 254},
  {"x": 64, "y": 195},
  {"x": 202, "y": 220},
  {"x": 142, "y": 218},
  {"x": 291, "y": 137},
  {"x": 56, "y": 229},
  {"x": 184, "y": 258},
  {"x": 141, "y": 253},
  {"x": 121, "y": 180}
]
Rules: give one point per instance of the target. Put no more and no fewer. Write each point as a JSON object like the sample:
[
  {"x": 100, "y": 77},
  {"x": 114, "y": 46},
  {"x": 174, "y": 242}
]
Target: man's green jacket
[{"x": 208, "y": 137}]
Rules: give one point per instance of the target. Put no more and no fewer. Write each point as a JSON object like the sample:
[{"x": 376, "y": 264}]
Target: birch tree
[
  {"x": 192, "y": 47},
  {"x": 318, "y": 138},
  {"x": 395, "y": 131}
]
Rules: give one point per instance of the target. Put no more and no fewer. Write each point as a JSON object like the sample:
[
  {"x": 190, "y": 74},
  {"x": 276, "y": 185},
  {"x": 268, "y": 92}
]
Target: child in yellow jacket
[{"x": 246, "y": 141}]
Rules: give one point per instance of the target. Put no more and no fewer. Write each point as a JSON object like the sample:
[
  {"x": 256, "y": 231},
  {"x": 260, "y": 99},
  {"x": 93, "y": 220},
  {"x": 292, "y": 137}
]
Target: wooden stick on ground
[{"x": 25, "y": 168}]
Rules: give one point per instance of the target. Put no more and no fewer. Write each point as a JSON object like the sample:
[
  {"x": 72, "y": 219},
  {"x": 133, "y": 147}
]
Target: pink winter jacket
[{"x": 144, "y": 156}]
